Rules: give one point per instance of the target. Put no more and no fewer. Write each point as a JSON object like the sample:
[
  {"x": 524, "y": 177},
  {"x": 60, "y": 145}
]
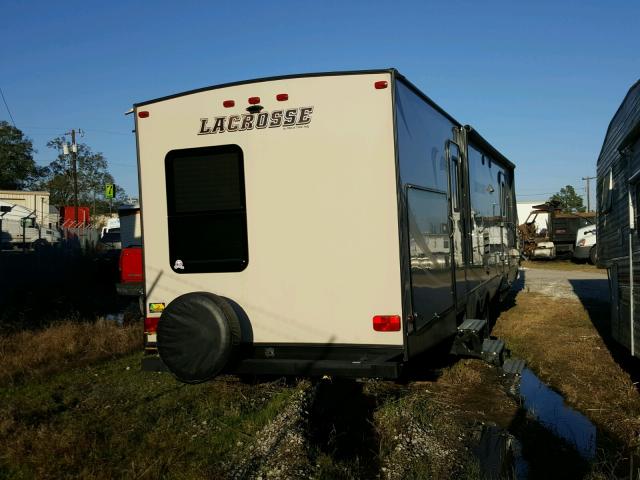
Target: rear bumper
[
  {"x": 310, "y": 361},
  {"x": 582, "y": 253}
]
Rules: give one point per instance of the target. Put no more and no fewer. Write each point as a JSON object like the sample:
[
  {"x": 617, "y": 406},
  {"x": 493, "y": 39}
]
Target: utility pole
[
  {"x": 74, "y": 168},
  {"x": 588, "y": 180}
]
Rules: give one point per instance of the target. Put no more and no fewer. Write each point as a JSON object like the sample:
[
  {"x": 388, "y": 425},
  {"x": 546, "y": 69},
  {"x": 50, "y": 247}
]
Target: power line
[
  {"x": 94, "y": 130},
  {"x": 8, "y": 110}
]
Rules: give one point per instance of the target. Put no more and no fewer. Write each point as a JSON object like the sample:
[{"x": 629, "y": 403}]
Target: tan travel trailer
[{"x": 334, "y": 223}]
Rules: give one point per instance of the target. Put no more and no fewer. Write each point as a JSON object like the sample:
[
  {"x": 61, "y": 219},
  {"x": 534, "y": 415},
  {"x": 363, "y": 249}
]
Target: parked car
[
  {"x": 110, "y": 241},
  {"x": 585, "y": 249}
]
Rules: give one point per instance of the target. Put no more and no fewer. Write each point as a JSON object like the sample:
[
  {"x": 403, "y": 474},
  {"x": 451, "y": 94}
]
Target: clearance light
[
  {"x": 386, "y": 323},
  {"x": 281, "y": 97},
  {"x": 151, "y": 324},
  {"x": 228, "y": 103},
  {"x": 254, "y": 100},
  {"x": 381, "y": 84},
  {"x": 143, "y": 114}
]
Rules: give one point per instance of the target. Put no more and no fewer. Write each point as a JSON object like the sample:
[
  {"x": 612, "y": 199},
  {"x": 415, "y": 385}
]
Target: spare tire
[{"x": 196, "y": 335}]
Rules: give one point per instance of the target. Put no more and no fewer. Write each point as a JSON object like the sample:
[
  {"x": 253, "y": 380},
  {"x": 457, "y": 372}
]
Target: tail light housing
[
  {"x": 386, "y": 323},
  {"x": 151, "y": 324}
]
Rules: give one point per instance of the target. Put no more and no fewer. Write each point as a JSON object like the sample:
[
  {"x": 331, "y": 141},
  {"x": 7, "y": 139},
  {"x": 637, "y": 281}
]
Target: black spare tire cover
[{"x": 196, "y": 335}]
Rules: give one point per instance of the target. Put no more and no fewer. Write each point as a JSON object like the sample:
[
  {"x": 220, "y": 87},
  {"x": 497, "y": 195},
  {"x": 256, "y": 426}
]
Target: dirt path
[{"x": 569, "y": 284}]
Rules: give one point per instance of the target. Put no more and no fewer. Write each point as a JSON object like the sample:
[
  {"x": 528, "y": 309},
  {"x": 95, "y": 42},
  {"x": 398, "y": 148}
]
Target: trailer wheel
[
  {"x": 196, "y": 336},
  {"x": 487, "y": 313}
]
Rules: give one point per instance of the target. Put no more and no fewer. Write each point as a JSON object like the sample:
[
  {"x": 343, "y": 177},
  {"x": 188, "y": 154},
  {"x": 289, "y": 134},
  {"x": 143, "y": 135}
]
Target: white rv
[
  {"x": 316, "y": 224},
  {"x": 19, "y": 227}
]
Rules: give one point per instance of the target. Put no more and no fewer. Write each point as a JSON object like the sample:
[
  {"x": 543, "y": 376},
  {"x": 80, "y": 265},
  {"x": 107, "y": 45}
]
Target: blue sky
[{"x": 540, "y": 80}]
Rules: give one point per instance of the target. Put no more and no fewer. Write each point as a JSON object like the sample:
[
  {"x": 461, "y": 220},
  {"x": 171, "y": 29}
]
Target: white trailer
[
  {"x": 315, "y": 224},
  {"x": 19, "y": 227}
]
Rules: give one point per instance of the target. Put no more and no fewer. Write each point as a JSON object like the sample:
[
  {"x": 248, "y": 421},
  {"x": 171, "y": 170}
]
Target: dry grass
[
  {"x": 31, "y": 354},
  {"x": 474, "y": 388},
  {"x": 558, "y": 339},
  {"x": 568, "y": 265}
]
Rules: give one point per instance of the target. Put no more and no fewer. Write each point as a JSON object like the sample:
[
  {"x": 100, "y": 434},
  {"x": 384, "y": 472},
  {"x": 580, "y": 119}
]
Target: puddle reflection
[{"x": 549, "y": 409}]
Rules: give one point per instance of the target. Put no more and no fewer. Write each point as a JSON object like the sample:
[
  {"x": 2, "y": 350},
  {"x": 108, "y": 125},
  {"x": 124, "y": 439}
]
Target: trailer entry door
[
  {"x": 430, "y": 250},
  {"x": 207, "y": 218}
]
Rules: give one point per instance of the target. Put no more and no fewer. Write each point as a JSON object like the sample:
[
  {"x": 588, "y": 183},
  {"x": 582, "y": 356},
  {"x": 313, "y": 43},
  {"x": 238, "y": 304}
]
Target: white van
[{"x": 337, "y": 223}]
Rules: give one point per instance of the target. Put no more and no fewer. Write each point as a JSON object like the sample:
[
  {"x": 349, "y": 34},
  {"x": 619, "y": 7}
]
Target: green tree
[
  {"x": 93, "y": 174},
  {"x": 569, "y": 200},
  {"x": 18, "y": 170}
]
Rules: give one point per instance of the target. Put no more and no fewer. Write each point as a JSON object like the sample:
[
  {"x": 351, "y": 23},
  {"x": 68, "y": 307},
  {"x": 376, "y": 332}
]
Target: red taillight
[
  {"x": 151, "y": 324},
  {"x": 381, "y": 84},
  {"x": 386, "y": 323},
  {"x": 254, "y": 100},
  {"x": 143, "y": 114},
  {"x": 281, "y": 97},
  {"x": 228, "y": 103}
]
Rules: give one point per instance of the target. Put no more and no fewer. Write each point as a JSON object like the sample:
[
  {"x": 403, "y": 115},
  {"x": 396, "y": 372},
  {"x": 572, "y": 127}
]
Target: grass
[
  {"x": 113, "y": 421},
  {"x": 31, "y": 354},
  {"x": 558, "y": 339},
  {"x": 561, "y": 265},
  {"x": 73, "y": 403}
]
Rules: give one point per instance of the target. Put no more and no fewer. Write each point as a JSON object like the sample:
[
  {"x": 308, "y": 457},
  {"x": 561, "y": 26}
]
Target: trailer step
[
  {"x": 513, "y": 366},
  {"x": 475, "y": 325},
  {"x": 468, "y": 341},
  {"x": 493, "y": 351}
]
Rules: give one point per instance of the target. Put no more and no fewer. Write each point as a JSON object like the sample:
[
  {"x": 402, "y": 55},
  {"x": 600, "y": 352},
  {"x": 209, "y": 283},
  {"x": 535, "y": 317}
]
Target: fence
[{"x": 81, "y": 237}]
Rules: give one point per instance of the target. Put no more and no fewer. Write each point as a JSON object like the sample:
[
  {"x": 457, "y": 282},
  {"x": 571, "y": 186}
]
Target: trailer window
[
  {"x": 207, "y": 219},
  {"x": 606, "y": 185},
  {"x": 453, "y": 152}
]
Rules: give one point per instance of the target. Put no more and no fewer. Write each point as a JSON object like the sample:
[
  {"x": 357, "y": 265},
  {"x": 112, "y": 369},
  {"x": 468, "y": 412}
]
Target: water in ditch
[{"x": 550, "y": 410}]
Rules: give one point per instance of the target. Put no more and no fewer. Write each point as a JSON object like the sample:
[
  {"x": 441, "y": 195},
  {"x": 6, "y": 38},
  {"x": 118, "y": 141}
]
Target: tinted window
[
  {"x": 110, "y": 237},
  {"x": 206, "y": 210},
  {"x": 422, "y": 136},
  {"x": 486, "y": 207}
]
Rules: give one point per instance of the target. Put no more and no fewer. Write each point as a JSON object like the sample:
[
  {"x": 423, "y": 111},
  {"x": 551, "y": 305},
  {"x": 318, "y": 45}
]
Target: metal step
[
  {"x": 493, "y": 351},
  {"x": 513, "y": 366},
  {"x": 472, "y": 325},
  {"x": 468, "y": 341}
]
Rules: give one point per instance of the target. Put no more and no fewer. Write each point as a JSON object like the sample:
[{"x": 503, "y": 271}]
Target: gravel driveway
[{"x": 576, "y": 285}]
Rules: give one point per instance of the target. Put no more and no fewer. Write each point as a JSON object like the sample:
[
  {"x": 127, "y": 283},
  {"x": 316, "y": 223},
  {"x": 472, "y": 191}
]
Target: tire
[
  {"x": 197, "y": 335},
  {"x": 39, "y": 244},
  {"x": 488, "y": 314},
  {"x": 593, "y": 255}
]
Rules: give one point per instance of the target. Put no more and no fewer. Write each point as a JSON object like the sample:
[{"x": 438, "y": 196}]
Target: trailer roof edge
[
  {"x": 606, "y": 135},
  {"x": 266, "y": 79},
  {"x": 484, "y": 144}
]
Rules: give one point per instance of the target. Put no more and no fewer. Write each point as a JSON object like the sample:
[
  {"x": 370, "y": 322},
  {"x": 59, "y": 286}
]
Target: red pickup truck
[{"x": 131, "y": 277}]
